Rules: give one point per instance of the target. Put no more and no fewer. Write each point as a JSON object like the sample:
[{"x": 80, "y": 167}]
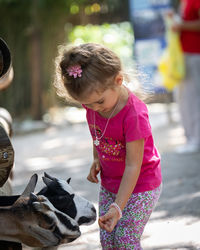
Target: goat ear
[
  {"x": 28, "y": 190},
  {"x": 68, "y": 180},
  {"x": 30, "y": 186},
  {"x": 47, "y": 181},
  {"x": 49, "y": 176}
]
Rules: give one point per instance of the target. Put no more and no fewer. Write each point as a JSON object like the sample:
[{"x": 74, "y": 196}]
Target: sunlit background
[{"x": 35, "y": 29}]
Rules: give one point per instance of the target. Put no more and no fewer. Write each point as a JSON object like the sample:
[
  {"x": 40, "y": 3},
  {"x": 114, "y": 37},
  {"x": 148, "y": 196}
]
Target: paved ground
[{"x": 64, "y": 150}]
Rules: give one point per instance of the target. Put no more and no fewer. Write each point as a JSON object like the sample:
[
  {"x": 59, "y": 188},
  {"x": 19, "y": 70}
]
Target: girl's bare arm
[
  {"x": 134, "y": 158},
  {"x": 95, "y": 168}
]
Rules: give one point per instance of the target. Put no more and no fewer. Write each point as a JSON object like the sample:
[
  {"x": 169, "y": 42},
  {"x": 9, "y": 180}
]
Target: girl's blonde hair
[{"x": 99, "y": 67}]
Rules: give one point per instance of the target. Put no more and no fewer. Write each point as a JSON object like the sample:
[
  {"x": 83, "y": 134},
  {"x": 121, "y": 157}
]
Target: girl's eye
[{"x": 100, "y": 102}]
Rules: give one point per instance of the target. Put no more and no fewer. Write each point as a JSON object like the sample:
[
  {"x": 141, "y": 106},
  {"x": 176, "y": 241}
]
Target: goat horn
[
  {"x": 47, "y": 181},
  {"x": 49, "y": 176}
]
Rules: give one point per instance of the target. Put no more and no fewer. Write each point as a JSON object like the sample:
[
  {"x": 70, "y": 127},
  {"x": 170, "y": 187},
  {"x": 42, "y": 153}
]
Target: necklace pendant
[{"x": 96, "y": 142}]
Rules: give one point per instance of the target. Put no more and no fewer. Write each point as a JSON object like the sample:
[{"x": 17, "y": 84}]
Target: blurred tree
[
  {"x": 33, "y": 29},
  {"x": 118, "y": 37}
]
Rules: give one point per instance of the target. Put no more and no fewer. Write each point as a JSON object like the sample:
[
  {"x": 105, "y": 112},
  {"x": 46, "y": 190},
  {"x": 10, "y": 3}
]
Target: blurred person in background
[{"x": 189, "y": 89}]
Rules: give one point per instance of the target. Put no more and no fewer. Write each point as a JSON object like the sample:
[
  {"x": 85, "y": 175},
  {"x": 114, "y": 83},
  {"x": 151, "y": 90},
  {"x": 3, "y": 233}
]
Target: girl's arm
[
  {"x": 95, "y": 168},
  {"x": 95, "y": 154},
  {"x": 134, "y": 158}
]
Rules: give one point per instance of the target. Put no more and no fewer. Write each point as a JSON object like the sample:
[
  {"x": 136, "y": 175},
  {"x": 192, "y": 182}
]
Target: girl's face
[{"x": 104, "y": 102}]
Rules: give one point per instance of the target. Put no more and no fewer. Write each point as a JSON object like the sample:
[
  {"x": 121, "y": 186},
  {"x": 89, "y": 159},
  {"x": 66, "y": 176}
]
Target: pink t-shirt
[{"x": 130, "y": 124}]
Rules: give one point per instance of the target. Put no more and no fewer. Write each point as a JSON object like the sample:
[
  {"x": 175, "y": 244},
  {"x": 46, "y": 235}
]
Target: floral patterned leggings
[{"x": 128, "y": 231}]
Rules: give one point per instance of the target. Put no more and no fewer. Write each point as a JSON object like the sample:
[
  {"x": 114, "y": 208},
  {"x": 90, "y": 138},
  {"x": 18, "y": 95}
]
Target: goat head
[{"x": 63, "y": 197}]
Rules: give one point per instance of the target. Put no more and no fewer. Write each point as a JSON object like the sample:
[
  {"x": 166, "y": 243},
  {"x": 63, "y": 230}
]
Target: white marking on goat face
[
  {"x": 67, "y": 228},
  {"x": 85, "y": 210}
]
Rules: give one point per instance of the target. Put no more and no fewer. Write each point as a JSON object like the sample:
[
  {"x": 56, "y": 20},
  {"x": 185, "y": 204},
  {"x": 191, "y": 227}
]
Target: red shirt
[{"x": 190, "y": 39}]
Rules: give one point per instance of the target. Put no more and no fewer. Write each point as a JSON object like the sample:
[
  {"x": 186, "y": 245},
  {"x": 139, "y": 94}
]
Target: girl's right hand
[{"x": 94, "y": 171}]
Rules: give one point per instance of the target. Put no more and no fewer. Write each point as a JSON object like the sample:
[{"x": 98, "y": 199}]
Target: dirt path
[{"x": 65, "y": 151}]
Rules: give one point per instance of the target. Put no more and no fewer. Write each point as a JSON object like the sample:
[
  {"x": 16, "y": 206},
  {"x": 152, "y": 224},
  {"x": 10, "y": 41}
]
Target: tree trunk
[{"x": 35, "y": 65}]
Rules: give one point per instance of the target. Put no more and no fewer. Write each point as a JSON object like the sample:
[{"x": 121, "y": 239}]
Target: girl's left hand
[{"x": 109, "y": 220}]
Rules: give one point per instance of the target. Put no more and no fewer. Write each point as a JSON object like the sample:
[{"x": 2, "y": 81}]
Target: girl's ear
[{"x": 119, "y": 79}]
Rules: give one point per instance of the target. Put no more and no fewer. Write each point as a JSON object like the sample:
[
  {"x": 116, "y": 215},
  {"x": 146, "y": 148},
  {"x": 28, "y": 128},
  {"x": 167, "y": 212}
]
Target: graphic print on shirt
[{"x": 109, "y": 148}]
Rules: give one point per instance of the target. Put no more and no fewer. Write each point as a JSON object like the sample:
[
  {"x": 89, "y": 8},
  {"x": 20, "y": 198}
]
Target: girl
[{"x": 123, "y": 147}]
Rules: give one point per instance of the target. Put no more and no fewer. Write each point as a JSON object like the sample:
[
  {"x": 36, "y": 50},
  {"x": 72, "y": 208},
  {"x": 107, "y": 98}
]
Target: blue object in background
[{"x": 147, "y": 18}]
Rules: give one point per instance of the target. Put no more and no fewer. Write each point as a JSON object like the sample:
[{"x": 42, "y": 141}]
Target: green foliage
[{"x": 118, "y": 37}]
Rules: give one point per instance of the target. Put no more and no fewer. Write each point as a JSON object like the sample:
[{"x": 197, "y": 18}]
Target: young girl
[{"x": 123, "y": 146}]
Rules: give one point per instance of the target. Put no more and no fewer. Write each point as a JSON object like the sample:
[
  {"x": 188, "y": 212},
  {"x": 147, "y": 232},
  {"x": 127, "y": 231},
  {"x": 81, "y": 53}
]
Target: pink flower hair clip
[{"x": 74, "y": 71}]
